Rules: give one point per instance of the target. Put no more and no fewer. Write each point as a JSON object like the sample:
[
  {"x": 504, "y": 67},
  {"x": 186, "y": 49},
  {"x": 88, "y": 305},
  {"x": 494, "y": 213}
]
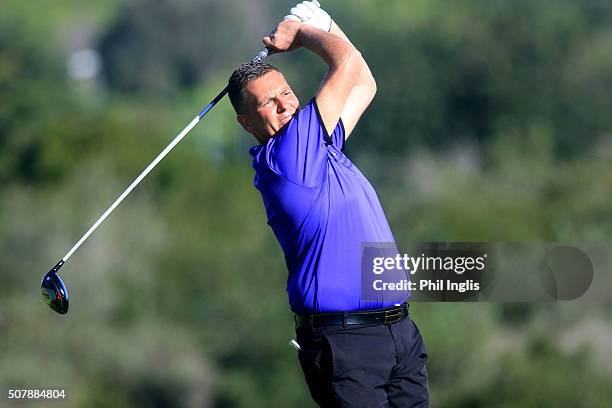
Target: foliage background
[{"x": 492, "y": 122}]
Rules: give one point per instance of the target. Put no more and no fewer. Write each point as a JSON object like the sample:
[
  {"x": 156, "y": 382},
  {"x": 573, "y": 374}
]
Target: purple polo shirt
[{"x": 321, "y": 209}]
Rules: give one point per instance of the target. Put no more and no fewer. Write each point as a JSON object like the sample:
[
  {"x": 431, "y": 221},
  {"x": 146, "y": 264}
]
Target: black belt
[{"x": 382, "y": 316}]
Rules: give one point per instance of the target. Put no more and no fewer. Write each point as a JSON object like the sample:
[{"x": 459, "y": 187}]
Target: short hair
[{"x": 241, "y": 77}]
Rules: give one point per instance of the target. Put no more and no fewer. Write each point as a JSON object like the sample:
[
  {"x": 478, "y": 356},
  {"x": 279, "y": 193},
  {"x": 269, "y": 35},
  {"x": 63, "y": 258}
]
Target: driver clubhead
[{"x": 54, "y": 291}]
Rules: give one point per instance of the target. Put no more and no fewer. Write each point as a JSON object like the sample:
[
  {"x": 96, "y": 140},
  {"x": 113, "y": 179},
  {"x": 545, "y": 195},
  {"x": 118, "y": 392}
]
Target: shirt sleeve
[
  {"x": 338, "y": 135},
  {"x": 299, "y": 151}
]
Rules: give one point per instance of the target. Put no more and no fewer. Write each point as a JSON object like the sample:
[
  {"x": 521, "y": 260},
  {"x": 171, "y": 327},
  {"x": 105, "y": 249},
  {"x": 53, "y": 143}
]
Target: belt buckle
[{"x": 393, "y": 316}]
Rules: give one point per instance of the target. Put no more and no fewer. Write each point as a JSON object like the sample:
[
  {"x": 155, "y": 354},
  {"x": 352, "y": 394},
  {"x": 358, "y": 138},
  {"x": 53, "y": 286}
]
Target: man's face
[{"x": 269, "y": 105}]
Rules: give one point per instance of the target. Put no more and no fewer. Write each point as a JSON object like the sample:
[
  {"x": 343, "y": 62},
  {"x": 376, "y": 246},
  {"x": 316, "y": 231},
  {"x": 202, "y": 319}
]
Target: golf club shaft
[{"x": 259, "y": 57}]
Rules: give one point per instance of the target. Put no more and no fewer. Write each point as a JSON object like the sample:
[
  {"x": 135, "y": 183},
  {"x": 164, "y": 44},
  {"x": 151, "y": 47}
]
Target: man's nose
[{"x": 281, "y": 105}]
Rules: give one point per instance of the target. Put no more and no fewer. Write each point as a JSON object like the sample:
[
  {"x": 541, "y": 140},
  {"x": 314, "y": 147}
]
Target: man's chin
[{"x": 284, "y": 122}]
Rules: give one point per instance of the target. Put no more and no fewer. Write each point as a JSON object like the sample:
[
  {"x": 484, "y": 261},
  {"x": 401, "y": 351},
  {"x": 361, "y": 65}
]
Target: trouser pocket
[{"x": 317, "y": 364}]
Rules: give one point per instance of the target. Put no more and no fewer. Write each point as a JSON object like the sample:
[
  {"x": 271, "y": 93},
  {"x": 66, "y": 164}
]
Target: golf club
[{"x": 53, "y": 290}]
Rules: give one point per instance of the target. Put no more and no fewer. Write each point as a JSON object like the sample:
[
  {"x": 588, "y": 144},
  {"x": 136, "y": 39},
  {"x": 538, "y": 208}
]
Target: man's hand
[
  {"x": 311, "y": 13},
  {"x": 284, "y": 38}
]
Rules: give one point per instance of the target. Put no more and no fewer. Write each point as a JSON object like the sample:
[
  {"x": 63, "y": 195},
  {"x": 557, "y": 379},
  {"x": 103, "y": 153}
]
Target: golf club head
[{"x": 54, "y": 291}]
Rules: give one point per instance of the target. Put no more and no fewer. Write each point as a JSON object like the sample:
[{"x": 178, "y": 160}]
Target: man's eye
[{"x": 287, "y": 93}]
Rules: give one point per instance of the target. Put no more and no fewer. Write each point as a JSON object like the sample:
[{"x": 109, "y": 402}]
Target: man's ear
[{"x": 245, "y": 122}]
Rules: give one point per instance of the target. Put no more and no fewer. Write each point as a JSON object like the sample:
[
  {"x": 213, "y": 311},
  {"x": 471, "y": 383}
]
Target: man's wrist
[
  {"x": 301, "y": 34},
  {"x": 306, "y": 33}
]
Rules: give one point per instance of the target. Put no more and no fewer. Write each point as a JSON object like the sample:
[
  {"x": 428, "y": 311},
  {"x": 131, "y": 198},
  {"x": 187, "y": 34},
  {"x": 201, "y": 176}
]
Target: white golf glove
[{"x": 311, "y": 13}]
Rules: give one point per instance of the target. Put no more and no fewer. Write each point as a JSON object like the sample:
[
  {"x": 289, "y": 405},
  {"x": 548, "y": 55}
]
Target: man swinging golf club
[{"x": 354, "y": 352}]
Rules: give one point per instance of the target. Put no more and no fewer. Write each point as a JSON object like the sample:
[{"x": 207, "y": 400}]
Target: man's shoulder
[{"x": 308, "y": 111}]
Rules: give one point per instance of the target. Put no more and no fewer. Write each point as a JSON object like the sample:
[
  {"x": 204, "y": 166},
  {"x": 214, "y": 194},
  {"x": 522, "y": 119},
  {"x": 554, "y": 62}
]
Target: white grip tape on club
[{"x": 262, "y": 54}]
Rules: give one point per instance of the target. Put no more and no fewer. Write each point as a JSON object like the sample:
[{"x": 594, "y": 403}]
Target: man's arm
[
  {"x": 361, "y": 94},
  {"x": 344, "y": 62}
]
